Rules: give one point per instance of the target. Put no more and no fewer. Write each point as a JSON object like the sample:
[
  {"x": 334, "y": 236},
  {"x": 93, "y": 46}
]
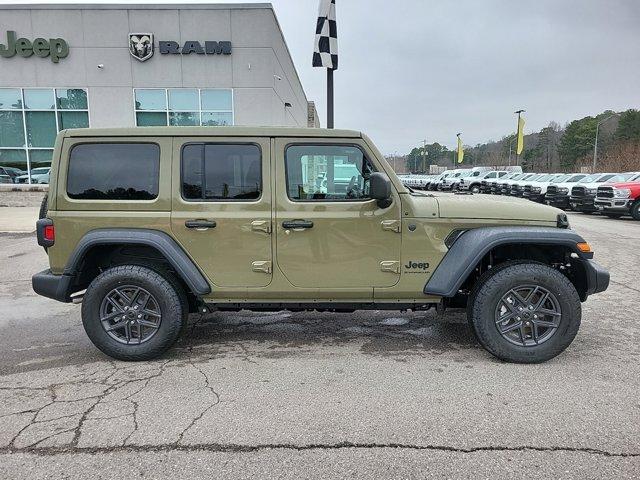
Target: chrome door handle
[
  {"x": 200, "y": 224},
  {"x": 293, "y": 224}
]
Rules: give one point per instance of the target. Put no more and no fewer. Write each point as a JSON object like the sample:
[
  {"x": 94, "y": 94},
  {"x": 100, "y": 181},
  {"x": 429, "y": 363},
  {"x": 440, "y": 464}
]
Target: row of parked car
[
  {"x": 612, "y": 194},
  {"x": 15, "y": 175}
]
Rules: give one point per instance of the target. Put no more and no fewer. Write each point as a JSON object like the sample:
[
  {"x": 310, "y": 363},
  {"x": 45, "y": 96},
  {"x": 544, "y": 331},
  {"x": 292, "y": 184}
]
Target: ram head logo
[{"x": 141, "y": 46}]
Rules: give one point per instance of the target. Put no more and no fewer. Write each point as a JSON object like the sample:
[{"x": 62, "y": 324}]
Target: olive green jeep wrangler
[{"x": 145, "y": 225}]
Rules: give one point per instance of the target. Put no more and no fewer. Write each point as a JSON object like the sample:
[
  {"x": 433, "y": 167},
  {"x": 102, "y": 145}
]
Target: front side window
[
  {"x": 114, "y": 171},
  {"x": 221, "y": 172},
  {"x": 327, "y": 172}
]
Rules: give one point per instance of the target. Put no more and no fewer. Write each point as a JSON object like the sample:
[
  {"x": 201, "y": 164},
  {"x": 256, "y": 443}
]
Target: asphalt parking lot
[{"x": 366, "y": 395}]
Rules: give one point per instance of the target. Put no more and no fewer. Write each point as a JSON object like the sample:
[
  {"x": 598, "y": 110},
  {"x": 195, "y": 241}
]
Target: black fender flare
[
  {"x": 161, "y": 241},
  {"x": 472, "y": 245}
]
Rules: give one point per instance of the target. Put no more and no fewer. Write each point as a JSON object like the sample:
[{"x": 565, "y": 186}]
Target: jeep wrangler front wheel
[
  {"x": 132, "y": 313},
  {"x": 525, "y": 312}
]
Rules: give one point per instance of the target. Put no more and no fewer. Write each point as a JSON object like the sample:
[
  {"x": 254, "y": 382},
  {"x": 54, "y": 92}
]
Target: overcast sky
[{"x": 415, "y": 69}]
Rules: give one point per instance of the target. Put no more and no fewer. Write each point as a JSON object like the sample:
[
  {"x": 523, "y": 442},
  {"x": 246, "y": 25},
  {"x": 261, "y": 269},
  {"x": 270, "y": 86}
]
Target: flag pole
[{"x": 329, "y": 97}]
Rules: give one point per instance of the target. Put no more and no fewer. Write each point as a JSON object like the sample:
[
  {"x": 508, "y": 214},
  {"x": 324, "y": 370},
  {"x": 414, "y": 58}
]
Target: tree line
[{"x": 554, "y": 148}]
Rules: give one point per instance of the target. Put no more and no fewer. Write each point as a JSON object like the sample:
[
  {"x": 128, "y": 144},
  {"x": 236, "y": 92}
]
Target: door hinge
[
  {"x": 391, "y": 266},
  {"x": 261, "y": 226},
  {"x": 262, "y": 266},
  {"x": 391, "y": 225}
]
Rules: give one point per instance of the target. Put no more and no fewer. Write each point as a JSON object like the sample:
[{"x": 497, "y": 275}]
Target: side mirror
[{"x": 380, "y": 189}]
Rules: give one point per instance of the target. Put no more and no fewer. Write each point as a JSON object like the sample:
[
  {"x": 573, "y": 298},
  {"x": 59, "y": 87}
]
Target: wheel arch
[
  {"x": 102, "y": 247},
  {"x": 476, "y": 250}
]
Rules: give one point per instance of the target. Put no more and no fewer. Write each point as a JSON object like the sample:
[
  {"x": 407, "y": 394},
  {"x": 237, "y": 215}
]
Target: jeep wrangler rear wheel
[
  {"x": 132, "y": 313},
  {"x": 525, "y": 312}
]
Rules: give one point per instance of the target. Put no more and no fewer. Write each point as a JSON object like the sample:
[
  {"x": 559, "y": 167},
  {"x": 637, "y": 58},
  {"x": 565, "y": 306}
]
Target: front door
[
  {"x": 222, "y": 208},
  {"x": 329, "y": 233}
]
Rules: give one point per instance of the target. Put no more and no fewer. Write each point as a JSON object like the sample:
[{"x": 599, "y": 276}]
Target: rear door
[{"x": 221, "y": 211}]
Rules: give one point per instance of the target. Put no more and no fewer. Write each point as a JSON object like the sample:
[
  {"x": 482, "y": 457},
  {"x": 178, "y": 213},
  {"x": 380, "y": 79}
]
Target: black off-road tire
[
  {"x": 169, "y": 300},
  {"x": 495, "y": 283},
  {"x": 475, "y": 188},
  {"x": 635, "y": 210}
]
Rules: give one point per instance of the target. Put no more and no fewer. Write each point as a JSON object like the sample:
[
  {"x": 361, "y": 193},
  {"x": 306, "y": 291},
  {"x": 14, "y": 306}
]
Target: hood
[
  {"x": 494, "y": 207},
  {"x": 623, "y": 184}
]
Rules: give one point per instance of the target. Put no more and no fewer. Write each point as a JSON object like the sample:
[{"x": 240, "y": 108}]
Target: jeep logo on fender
[
  {"x": 56, "y": 48},
  {"x": 411, "y": 265}
]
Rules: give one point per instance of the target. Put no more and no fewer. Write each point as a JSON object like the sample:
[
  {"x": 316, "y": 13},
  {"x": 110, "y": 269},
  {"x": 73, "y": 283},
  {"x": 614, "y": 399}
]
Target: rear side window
[
  {"x": 114, "y": 171},
  {"x": 221, "y": 172}
]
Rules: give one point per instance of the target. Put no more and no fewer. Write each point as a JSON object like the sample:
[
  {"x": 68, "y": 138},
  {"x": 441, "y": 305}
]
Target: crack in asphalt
[
  {"x": 237, "y": 448},
  {"x": 620, "y": 284},
  {"x": 82, "y": 416}
]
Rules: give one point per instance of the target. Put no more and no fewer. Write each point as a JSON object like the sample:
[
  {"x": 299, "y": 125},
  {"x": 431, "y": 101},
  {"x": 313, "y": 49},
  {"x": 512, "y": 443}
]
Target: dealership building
[{"x": 72, "y": 66}]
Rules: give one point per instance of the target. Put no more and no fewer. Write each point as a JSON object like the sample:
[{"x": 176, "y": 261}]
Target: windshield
[
  {"x": 39, "y": 171},
  {"x": 590, "y": 178},
  {"x": 559, "y": 179},
  {"x": 576, "y": 178},
  {"x": 607, "y": 177},
  {"x": 544, "y": 178},
  {"x": 626, "y": 176}
]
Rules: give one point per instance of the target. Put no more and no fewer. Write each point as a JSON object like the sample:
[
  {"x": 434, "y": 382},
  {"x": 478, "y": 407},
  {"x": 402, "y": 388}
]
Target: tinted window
[
  {"x": 114, "y": 171},
  {"x": 327, "y": 172},
  {"x": 221, "y": 172}
]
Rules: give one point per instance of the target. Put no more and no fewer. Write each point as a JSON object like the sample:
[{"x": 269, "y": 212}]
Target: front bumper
[
  {"x": 596, "y": 277},
  {"x": 618, "y": 205},
  {"x": 583, "y": 204},
  {"x": 57, "y": 287},
  {"x": 534, "y": 196},
  {"x": 558, "y": 201}
]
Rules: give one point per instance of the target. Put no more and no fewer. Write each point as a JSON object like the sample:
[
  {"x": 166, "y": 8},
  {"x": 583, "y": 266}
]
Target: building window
[
  {"x": 30, "y": 119},
  {"x": 183, "y": 107}
]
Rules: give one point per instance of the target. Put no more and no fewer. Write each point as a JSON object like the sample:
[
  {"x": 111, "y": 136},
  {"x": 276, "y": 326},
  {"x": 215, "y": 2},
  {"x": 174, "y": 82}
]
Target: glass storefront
[
  {"x": 30, "y": 119},
  {"x": 183, "y": 106}
]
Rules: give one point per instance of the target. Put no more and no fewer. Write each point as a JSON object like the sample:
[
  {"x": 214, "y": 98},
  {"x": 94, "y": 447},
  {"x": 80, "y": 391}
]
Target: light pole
[
  {"x": 519, "y": 112},
  {"x": 510, "y": 146},
  {"x": 424, "y": 155},
  {"x": 595, "y": 145}
]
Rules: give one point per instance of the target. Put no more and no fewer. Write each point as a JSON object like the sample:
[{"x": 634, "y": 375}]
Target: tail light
[
  {"x": 46, "y": 232},
  {"x": 49, "y": 233}
]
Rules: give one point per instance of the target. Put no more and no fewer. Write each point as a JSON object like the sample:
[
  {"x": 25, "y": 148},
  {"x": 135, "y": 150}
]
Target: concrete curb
[{"x": 16, "y": 187}]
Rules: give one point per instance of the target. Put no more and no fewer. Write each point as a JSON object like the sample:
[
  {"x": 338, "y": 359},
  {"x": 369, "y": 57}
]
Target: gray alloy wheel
[
  {"x": 528, "y": 315},
  {"x": 130, "y": 314}
]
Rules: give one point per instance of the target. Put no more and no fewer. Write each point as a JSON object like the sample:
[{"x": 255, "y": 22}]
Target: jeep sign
[{"x": 56, "y": 48}]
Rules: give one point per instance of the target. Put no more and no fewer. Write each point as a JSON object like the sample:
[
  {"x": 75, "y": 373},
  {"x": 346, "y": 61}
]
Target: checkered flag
[{"x": 325, "y": 52}]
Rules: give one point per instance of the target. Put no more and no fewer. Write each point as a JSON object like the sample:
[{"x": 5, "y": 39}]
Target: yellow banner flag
[
  {"x": 460, "y": 150},
  {"x": 520, "y": 146}
]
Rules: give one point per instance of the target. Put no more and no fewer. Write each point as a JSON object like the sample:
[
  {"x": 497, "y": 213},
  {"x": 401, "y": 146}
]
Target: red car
[{"x": 618, "y": 199}]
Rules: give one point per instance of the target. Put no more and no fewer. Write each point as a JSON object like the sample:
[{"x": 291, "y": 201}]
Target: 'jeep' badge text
[
  {"x": 56, "y": 48},
  {"x": 411, "y": 265}
]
